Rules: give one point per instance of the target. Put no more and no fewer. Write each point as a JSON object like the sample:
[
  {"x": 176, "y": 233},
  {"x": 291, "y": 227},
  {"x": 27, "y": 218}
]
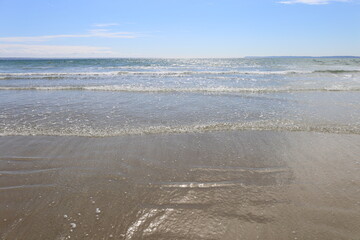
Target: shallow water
[{"x": 110, "y": 97}]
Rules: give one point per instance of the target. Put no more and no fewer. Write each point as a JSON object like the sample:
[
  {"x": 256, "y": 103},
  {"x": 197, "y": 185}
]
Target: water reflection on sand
[{"x": 224, "y": 185}]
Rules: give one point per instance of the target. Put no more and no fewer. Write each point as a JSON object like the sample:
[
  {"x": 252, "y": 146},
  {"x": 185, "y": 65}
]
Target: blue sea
[{"x": 110, "y": 97}]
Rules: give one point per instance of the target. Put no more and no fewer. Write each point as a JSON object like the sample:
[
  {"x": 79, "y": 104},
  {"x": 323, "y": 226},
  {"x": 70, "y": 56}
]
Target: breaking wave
[
  {"x": 54, "y": 75},
  {"x": 218, "y": 89},
  {"x": 336, "y": 71}
]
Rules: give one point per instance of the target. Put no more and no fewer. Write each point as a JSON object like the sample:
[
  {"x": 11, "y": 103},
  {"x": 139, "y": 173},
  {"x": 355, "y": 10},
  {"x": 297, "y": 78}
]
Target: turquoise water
[{"x": 109, "y": 97}]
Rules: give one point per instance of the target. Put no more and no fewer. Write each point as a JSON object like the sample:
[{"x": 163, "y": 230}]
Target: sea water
[{"x": 111, "y": 97}]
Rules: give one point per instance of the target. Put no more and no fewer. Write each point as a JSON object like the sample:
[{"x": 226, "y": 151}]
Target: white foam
[
  {"x": 274, "y": 125},
  {"x": 218, "y": 89},
  {"x": 154, "y": 73}
]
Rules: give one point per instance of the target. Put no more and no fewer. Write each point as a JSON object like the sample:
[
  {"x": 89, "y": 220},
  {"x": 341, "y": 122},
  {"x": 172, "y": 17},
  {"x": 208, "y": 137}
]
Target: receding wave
[
  {"x": 269, "y": 125},
  {"x": 215, "y": 90}
]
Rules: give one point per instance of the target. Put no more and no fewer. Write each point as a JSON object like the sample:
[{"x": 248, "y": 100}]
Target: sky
[{"x": 179, "y": 28}]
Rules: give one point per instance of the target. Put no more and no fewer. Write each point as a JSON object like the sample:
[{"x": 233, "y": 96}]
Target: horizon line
[{"x": 280, "y": 56}]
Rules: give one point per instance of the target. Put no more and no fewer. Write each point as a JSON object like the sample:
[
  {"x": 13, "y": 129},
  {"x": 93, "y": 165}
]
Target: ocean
[
  {"x": 110, "y": 97},
  {"x": 248, "y": 148}
]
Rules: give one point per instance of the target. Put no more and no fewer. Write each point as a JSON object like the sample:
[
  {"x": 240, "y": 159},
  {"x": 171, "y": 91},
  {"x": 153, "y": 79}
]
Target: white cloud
[
  {"x": 25, "y": 50},
  {"x": 105, "y": 24},
  {"x": 104, "y": 33},
  {"x": 312, "y": 2}
]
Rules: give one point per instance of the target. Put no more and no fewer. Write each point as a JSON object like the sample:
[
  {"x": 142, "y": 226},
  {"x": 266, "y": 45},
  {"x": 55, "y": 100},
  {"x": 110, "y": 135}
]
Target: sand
[{"x": 220, "y": 185}]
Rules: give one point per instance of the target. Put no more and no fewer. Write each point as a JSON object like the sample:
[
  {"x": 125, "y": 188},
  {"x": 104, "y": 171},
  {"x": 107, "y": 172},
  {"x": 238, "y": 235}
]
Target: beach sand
[{"x": 217, "y": 185}]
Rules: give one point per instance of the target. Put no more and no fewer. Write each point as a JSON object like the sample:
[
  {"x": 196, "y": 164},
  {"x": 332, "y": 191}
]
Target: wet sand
[{"x": 220, "y": 185}]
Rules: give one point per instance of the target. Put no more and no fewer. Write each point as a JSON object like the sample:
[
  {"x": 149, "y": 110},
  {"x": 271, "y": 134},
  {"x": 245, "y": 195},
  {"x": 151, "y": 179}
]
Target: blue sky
[{"x": 178, "y": 28}]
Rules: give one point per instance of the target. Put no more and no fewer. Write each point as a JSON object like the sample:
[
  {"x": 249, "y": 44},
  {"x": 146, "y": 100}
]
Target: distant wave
[
  {"x": 54, "y": 75},
  {"x": 139, "y": 73},
  {"x": 33, "y": 77},
  {"x": 237, "y": 126},
  {"x": 336, "y": 71},
  {"x": 161, "y": 73},
  {"x": 219, "y": 89}
]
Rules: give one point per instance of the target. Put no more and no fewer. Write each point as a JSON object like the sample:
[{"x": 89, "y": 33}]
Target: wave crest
[
  {"x": 219, "y": 89},
  {"x": 165, "y": 73}
]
